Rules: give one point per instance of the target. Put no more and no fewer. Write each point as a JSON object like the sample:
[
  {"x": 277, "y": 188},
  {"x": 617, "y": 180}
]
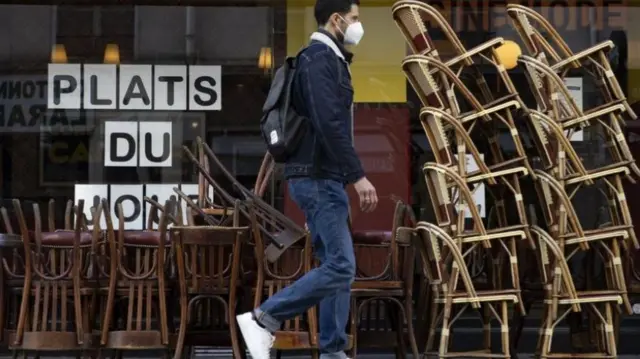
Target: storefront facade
[{"x": 127, "y": 148}]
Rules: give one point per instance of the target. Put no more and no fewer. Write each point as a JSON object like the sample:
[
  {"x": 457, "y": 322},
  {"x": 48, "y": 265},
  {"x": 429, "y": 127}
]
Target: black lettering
[
  {"x": 497, "y": 15},
  {"x": 16, "y": 117},
  {"x": 171, "y": 81},
  {"x": 471, "y": 16},
  {"x": 1, "y": 115},
  {"x": 37, "y": 112},
  {"x": 559, "y": 7},
  {"x": 28, "y": 89},
  {"x": 205, "y": 84},
  {"x": 72, "y": 85},
  {"x": 137, "y": 208},
  {"x": 42, "y": 88},
  {"x": 136, "y": 89},
  {"x": 94, "y": 100},
  {"x": 583, "y": 19},
  {"x": 613, "y": 14},
  {"x": 15, "y": 90},
  {"x": 131, "y": 147},
  {"x": 166, "y": 148}
]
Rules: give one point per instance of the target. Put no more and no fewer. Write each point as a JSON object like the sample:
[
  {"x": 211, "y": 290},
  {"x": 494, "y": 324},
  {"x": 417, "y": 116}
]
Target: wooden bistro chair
[
  {"x": 269, "y": 276},
  {"x": 562, "y": 298},
  {"x": 136, "y": 311},
  {"x": 282, "y": 253},
  {"x": 544, "y": 43},
  {"x": 450, "y": 198},
  {"x": 568, "y": 231},
  {"x": 554, "y": 100},
  {"x": 413, "y": 19},
  {"x": 280, "y": 231},
  {"x": 209, "y": 263},
  {"x": 57, "y": 309},
  {"x": 384, "y": 287},
  {"x": 11, "y": 281},
  {"x": 206, "y": 189},
  {"x": 445, "y": 270},
  {"x": 14, "y": 267}
]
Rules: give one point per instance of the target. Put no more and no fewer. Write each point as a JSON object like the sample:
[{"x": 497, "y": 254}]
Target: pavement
[
  {"x": 360, "y": 356},
  {"x": 225, "y": 354}
]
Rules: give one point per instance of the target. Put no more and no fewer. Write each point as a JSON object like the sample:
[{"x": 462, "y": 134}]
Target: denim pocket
[{"x": 303, "y": 191}]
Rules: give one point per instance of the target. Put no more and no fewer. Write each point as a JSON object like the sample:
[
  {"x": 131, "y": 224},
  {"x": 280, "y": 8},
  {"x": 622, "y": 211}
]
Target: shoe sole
[{"x": 242, "y": 321}]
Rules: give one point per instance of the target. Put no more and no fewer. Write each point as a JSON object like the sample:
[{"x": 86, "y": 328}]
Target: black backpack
[{"x": 282, "y": 128}]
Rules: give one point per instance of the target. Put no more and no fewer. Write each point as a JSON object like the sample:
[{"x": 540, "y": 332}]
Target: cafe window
[{"x": 174, "y": 73}]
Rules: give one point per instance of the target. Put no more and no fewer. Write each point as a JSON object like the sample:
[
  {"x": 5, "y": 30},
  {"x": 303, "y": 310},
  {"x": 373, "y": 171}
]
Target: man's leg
[
  {"x": 333, "y": 315},
  {"x": 325, "y": 205}
]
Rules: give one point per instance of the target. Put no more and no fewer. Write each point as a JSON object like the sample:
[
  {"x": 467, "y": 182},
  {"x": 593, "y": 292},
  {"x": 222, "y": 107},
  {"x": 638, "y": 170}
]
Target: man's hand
[{"x": 367, "y": 194}]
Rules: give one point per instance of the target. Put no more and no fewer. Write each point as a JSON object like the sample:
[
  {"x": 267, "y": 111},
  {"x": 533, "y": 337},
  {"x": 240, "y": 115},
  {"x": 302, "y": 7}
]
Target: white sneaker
[{"x": 258, "y": 340}]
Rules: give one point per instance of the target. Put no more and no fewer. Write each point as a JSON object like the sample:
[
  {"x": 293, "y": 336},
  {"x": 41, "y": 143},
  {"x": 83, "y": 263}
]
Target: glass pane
[{"x": 132, "y": 143}]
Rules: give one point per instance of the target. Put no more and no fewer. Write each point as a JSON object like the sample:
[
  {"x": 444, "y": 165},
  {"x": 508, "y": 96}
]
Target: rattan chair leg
[{"x": 446, "y": 328}]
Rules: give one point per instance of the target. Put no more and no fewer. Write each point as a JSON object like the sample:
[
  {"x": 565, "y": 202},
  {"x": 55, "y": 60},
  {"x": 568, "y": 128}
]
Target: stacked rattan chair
[
  {"x": 547, "y": 62},
  {"x": 463, "y": 121},
  {"x": 464, "y": 131}
]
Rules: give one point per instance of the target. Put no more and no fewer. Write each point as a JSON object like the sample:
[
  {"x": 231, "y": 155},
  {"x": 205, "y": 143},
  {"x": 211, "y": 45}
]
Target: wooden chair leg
[
  {"x": 398, "y": 325},
  {"x": 236, "y": 347},
  {"x": 408, "y": 312},
  {"x": 354, "y": 313}
]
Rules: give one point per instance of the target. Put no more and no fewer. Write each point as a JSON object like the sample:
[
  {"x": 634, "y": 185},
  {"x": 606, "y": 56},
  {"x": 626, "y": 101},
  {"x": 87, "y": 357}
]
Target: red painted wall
[{"x": 382, "y": 141}]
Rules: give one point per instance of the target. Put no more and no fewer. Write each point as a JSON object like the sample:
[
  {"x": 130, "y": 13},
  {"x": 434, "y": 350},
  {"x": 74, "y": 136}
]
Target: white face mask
[{"x": 354, "y": 33}]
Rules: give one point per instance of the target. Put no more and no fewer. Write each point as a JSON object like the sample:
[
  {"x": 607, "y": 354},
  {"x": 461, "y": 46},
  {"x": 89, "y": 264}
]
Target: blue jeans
[{"x": 326, "y": 208}]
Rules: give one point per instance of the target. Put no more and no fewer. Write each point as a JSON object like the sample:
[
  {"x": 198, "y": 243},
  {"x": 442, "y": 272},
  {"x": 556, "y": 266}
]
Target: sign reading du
[
  {"x": 134, "y": 87},
  {"x": 138, "y": 144},
  {"x": 135, "y": 210}
]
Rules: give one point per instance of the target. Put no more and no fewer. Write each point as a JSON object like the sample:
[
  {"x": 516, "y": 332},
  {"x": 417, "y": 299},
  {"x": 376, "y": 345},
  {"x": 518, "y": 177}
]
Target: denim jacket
[{"x": 323, "y": 94}]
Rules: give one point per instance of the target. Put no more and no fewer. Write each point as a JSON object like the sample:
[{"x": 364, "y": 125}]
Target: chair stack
[
  {"x": 475, "y": 131},
  {"x": 547, "y": 63},
  {"x": 464, "y": 119}
]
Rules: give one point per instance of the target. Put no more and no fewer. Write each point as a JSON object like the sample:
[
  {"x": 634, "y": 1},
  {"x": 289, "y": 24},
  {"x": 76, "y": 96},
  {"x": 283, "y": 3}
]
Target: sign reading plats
[
  {"x": 135, "y": 210},
  {"x": 134, "y": 87}
]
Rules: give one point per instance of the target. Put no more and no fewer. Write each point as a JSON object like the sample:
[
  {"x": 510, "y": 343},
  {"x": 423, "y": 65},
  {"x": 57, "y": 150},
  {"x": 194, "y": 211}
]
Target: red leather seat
[{"x": 372, "y": 237}]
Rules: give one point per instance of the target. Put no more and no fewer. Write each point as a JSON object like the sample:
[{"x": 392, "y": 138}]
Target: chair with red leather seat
[
  {"x": 382, "y": 290},
  {"x": 135, "y": 316},
  {"x": 59, "y": 286},
  {"x": 208, "y": 259}
]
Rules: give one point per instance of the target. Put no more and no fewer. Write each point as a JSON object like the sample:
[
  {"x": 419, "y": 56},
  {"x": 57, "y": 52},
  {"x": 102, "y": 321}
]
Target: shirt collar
[{"x": 326, "y": 38}]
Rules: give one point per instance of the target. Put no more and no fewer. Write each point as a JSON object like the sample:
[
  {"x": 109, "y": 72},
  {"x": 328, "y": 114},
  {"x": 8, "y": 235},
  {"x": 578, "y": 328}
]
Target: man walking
[{"x": 317, "y": 174}]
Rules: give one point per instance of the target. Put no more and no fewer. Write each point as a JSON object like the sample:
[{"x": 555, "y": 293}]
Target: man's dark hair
[{"x": 325, "y": 8}]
